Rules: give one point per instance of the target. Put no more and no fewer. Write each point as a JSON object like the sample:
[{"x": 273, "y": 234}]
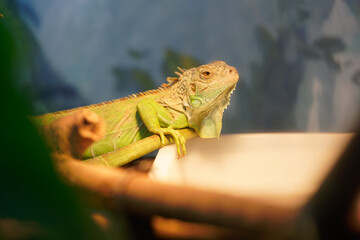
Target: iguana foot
[{"x": 178, "y": 139}]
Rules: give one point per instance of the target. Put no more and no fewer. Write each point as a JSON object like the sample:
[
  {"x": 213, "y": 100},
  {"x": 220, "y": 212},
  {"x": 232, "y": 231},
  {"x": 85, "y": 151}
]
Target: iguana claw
[
  {"x": 162, "y": 138},
  {"x": 177, "y": 137}
]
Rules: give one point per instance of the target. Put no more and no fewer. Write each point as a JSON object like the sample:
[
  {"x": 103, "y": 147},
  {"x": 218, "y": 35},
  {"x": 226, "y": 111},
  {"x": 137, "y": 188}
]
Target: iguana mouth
[{"x": 225, "y": 95}]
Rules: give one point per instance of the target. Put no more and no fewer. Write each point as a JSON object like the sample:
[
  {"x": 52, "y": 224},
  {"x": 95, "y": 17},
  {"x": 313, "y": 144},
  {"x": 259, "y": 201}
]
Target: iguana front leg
[{"x": 159, "y": 121}]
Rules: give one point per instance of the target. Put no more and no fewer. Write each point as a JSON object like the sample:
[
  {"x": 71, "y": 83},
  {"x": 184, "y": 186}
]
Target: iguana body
[{"x": 195, "y": 100}]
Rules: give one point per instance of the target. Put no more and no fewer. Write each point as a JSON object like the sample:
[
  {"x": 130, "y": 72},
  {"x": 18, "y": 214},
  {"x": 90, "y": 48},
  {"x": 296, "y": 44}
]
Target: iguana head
[{"x": 208, "y": 90}]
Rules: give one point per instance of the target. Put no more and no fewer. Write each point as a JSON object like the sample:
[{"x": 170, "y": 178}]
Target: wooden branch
[
  {"x": 118, "y": 189},
  {"x": 74, "y": 133},
  {"x": 130, "y": 152}
]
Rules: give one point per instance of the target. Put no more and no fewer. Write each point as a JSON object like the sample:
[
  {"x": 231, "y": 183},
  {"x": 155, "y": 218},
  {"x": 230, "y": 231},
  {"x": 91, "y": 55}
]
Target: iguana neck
[
  {"x": 174, "y": 97},
  {"x": 207, "y": 120}
]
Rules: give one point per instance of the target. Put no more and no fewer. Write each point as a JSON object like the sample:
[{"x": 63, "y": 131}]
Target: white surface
[{"x": 281, "y": 169}]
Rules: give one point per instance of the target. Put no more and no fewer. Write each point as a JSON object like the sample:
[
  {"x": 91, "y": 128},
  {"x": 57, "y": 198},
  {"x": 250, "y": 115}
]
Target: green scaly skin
[{"x": 196, "y": 100}]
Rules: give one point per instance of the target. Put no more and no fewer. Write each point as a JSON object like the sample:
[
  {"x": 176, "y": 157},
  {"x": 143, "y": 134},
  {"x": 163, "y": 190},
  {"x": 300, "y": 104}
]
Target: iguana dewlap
[{"x": 196, "y": 99}]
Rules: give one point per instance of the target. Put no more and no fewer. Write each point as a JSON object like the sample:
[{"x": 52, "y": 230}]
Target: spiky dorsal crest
[
  {"x": 181, "y": 70},
  {"x": 172, "y": 80},
  {"x": 164, "y": 86}
]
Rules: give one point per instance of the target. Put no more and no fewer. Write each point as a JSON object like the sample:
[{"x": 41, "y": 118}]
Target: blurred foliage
[
  {"x": 174, "y": 59},
  {"x": 30, "y": 188},
  {"x": 133, "y": 78},
  {"x": 322, "y": 48},
  {"x": 135, "y": 54},
  {"x": 270, "y": 107},
  {"x": 275, "y": 79},
  {"x": 354, "y": 6},
  {"x": 356, "y": 78},
  {"x": 22, "y": 49},
  {"x": 34, "y": 77},
  {"x": 328, "y": 46},
  {"x": 141, "y": 80}
]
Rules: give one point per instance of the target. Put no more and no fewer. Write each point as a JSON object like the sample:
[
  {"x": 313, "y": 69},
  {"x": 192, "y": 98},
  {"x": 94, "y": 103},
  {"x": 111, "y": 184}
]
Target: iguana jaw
[
  {"x": 208, "y": 120},
  {"x": 207, "y": 100}
]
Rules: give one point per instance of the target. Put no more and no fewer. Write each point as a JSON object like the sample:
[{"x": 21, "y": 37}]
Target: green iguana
[{"x": 195, "y": 99}]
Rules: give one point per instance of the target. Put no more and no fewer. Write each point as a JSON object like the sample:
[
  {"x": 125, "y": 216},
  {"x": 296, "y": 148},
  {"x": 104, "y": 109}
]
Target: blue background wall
[{"x": 299, "y": 59}]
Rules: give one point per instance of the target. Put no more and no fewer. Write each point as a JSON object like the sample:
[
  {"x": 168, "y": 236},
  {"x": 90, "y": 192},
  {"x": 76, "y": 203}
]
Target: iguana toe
[
  {"x": 178, "y": 139},
  {"x": 180, "y": 144},
  {"x": 162, "y": 138}
]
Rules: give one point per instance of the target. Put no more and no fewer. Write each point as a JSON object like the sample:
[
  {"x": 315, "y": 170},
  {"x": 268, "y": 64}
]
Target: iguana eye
[{"x": 205, "y": 74}]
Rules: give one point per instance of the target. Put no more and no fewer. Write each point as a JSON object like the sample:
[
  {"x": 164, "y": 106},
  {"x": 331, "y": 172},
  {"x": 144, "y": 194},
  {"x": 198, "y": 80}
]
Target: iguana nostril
[{"x": 232, "y": 70}]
